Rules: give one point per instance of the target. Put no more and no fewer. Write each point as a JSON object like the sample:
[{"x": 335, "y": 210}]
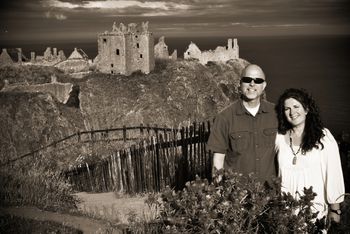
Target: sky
[{"x": 38, "y": 20}]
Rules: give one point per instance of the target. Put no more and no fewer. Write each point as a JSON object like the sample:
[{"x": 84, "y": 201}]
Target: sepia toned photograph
[{"x": 187, "y": 116}]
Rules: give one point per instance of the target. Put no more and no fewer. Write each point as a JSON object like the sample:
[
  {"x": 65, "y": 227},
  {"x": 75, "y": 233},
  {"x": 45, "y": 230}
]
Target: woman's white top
[{"x": 319, "y": 168}]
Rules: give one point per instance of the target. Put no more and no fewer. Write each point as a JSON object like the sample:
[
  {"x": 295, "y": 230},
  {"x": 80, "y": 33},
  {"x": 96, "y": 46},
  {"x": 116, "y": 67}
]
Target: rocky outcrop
[
  {"x": 182, "y": 92},
  {"x": 59, "y": 90},
  {"x": 31, "y": 120}
]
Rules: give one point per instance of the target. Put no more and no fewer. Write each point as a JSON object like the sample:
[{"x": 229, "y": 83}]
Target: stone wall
[
  {"x": 220, "y": 54},
  {"x": 59, "y": 90},
  {"x": 161, "y": 50},
  {"x": 73, "y": 66},
  {"x": 5, "y": 59},
  {"x": 193, "y": 52},
  {"x": 50, "y": 57},
  {"x": 77, "y": 62}
]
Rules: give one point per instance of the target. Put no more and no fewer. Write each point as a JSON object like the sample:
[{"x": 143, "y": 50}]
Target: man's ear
[{"x": 264, "y": 84}]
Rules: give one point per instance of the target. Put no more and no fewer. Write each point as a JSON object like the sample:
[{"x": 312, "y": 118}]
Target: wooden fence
[
  {"x": 167, "y": 158},
  {"x": 124, "y": 134}
]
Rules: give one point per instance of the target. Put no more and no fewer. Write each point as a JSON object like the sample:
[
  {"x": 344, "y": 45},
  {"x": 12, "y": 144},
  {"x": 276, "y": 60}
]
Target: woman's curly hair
[{"x": 313, "y": 131}]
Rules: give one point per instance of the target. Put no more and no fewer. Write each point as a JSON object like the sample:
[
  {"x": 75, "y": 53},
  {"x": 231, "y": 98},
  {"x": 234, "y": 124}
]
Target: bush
[
  {"x": 237, "y": 204},
  {"x": 44, "y": 189}
]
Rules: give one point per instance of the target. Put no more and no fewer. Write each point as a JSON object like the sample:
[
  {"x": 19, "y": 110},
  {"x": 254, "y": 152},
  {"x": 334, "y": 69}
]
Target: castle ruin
[
  {"x": 77, "y": 62},
  {"x": 125, "y": 49},
  {"x": 220, "y": 54},
  {"x": 50, "y": 57},
  {"x": 161, "y": 50},
  {"x": 12, "y": 56}
]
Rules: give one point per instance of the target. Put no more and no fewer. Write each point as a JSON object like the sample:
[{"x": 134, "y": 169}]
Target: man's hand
[{"x": 218, "y": 164}]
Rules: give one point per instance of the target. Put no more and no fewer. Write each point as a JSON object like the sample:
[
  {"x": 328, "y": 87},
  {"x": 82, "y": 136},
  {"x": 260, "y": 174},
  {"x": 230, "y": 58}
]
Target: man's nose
[{"x": 252, "y": 82}]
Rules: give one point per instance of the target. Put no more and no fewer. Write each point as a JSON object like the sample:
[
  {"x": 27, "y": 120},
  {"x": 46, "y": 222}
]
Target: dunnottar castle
[{"x": 123, "y": 50}]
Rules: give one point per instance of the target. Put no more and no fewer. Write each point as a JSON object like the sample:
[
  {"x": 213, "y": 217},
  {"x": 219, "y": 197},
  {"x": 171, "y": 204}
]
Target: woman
[{"x": 308, "y": 154}]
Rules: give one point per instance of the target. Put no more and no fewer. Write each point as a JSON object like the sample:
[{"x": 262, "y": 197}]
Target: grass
[{"x": 11, "y": 224}]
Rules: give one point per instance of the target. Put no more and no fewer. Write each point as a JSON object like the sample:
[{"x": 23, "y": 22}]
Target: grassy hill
[{"x": 176, "y": 93}]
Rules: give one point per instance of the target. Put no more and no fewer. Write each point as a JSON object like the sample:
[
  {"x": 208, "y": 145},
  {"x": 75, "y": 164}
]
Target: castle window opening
[
  {"x": 136, "y": 36},
  {"x": 188, "y": 53},
  {"x": 117, "y": 51},
  {"x": 111, "y": 72},
  {"x": 112, "y": 64},
  {"x": 140, "y": 55},
  {"x": 137, "y": 45},
  {"x": 104, "y": 40}
]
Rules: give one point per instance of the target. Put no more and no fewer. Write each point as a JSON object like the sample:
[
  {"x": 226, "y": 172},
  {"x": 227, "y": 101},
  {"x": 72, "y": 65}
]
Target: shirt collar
[{"x": 242, "y": 110}]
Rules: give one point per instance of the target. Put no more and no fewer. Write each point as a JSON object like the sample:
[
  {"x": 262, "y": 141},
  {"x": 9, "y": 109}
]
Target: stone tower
[
  {"x": 161, "y": 49},
  {"x": 125, "y": 50}
]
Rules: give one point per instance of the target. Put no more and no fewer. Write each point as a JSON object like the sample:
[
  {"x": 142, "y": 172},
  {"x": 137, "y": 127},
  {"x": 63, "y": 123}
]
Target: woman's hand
[{"x": 334, "y": 214}]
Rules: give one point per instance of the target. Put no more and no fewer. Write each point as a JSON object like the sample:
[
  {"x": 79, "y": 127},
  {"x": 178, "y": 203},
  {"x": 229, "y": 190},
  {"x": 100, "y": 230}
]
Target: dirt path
[
  {"x": 105, "y": 206},
  {"x": 109, "y": 207}
]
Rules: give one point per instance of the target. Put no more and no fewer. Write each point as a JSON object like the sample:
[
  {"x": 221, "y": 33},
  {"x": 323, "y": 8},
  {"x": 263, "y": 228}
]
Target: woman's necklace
[{"x": 291, "y": 147}]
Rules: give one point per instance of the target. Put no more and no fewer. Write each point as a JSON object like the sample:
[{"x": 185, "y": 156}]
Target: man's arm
[{"x": 218, "y": 163}]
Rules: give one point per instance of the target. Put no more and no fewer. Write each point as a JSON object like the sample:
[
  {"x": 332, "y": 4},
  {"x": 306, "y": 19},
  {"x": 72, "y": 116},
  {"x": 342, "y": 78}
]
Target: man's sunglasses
[{"x": 249, "y": 80}]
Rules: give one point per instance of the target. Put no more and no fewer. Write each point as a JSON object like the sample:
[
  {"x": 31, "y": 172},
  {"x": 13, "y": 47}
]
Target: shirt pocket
[
  {"x": 239, "y": 141},
  {"x": 269, "y": 136}
]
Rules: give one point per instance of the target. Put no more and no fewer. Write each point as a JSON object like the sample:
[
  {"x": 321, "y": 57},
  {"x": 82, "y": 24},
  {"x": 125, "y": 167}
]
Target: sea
[{"x": 319, "y": 64}]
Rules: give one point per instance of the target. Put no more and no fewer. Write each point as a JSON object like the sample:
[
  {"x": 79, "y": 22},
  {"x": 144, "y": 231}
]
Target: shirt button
[{"x": 256, "y": 146}]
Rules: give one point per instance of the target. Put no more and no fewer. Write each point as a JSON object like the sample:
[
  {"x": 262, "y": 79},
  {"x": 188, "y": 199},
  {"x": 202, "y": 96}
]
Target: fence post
[
  {"x": 119, "y": 171},
  {"x": 183, "y": 162},
  {"x": 148, "y": 129},
  {"x": 156, "y": 129},
  {"x": 124, "y": 133},
  {"x": 161, "y": 165},
  {"x": 141, "y": 129},
  {"x": 89, "y": 176},
  {"x": 207, "y": 156}
]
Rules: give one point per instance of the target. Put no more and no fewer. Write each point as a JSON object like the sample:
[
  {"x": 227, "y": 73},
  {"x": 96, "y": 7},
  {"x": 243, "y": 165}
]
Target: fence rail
[
  {"x": 166, "y": 159},
  {"x": 110, "y": 134}
]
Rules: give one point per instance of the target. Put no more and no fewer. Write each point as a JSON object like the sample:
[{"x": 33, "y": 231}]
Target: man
[{"x": 243, "y": 135}]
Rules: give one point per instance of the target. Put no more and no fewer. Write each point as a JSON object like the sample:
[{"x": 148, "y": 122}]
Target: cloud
[
  {"x": 117, "y": 4},
  {"x": 60, "y": 4},
  {"x": 281, "y": 25},
  {"x": 57, "y": 16}
]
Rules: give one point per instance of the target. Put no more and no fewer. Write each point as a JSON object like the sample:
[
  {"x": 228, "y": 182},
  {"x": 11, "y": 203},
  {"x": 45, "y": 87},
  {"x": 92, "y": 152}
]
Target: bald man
[{"x": 243, "y": 135}]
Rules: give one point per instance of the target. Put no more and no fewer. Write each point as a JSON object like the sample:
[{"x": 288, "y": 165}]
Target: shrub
[
  {"x": 161, "y": 65},
  {"x": 44, "y": 189},
  {"x": 236, "y": 204}
]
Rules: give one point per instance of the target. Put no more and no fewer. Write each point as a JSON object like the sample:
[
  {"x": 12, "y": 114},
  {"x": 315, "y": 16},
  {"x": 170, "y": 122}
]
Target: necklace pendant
[{"x": 294, "y": 160}]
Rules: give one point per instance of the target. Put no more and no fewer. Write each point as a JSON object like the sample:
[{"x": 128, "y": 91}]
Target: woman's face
[{"x": 294, "y": 112}]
